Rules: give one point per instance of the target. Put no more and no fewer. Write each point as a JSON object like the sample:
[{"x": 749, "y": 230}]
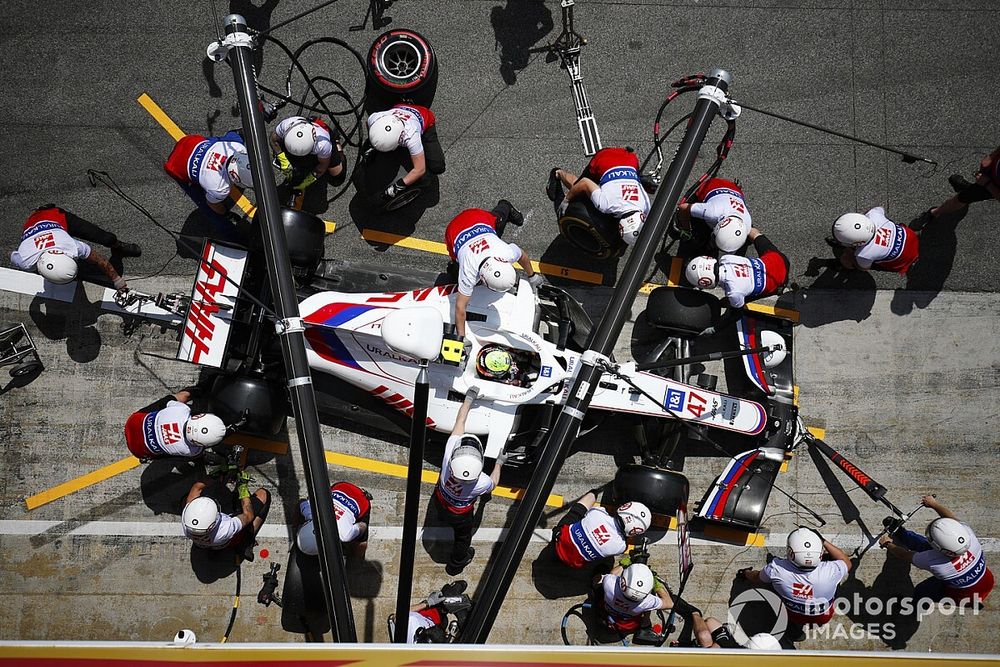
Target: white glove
[
  {"x": 536, "y": 280},
  {"x": 435, "y": 598},
  {"x": 562, "y": 208}
]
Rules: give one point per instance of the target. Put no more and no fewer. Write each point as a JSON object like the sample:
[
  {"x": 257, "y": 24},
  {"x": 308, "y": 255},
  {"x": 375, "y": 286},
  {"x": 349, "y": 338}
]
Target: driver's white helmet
[
  {"x": 853, "y": 229},
  {"x": 630, "y": 226},
  {"x": 805, "y": 548},
  {"x": 238, "y": 168},
  {"x": 636, "y": 518},
  {"x": 730, "y": 233},
  {"x": 300, "y": 139},
  {"x": 636, "y": 582},
  {"x": 386, "y": 133},
  {"x": 762, "y": 641},
  {"x": 204, "y": 430},
  {"x": 948, "y": 536},
  {"x": 306, "y": 539},
  {"x": 700, "y": 272},
  {"x": 57, "y": 267},
  {"x": 498, "y": 274},
  {"x": 200, "y": 515},
  {"x": 467, "y": 459}
]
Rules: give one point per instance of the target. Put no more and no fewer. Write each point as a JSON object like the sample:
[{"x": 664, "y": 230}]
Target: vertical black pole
[
  {"x": 290, "y": 330},
  {"x": 418, "y": 431},
  {"x": 504, "y": 565}
]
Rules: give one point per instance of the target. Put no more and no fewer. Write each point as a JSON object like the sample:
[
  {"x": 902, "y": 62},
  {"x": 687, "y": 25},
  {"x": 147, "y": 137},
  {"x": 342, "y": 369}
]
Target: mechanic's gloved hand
[
  {"x": 281, "y": 161},
  {"x": 472, "y": 393},
  {"x": 435, "y": 598},
  {"x": 536, "y": 280},
  {"x": 561, "y": 211},
  {"x": 394, "y": 189},
  {"x": 502, "y": 458},
  {"x": 708, "y": 331},
  {"x": 120, "y": 284},
  {"x": 742, "y": 573},
  {"x": 305, "y": 183},
  {"x": 658, "y": 585},
  {"x": 625, "y": 561},
  {"x": 243, "y": 491}
]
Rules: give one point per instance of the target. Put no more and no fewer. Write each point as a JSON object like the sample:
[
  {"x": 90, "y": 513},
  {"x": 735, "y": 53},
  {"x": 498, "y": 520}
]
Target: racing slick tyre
[
  {"x": 25, "y": 368},
  {"x": 304, "y": 233},
  {"x": 401, "y": 66},
  {"x": 663, "y": 491},
  {"x": 681, "y": 310},
  {"x": 264, "y": 403},
  {"x": 591, "y": 231}
]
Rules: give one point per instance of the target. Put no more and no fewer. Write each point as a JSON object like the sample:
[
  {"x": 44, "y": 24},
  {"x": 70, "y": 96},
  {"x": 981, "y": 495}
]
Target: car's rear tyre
[
  {"x": 304, "y": 233},
  {"x": 591, "y": 231},
  {"x": 402, "y": 65},
  {"x": 663, "y": 491},
  {"x": 682, "y": 310},
  {"x": 264, "y": 402}
]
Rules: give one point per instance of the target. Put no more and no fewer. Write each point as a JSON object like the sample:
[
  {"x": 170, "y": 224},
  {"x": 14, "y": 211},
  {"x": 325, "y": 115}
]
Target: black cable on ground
[{"x": 236, "y": 600}]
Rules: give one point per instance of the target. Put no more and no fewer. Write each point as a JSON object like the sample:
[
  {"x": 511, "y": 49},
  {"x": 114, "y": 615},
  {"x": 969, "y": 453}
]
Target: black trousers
[
  {"x": 433, "y": 154},
  {"x": 464, "y": 526},
  {"x": 84, "y": 229}
]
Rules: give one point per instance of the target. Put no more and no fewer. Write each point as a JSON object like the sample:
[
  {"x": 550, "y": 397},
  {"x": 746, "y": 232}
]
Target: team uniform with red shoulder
[
  {"x": 875, "y": 242},
  {"x": 721, "y": 204},
  {"x": 742, "y": 278},
  {"x": 167, "y": 428}
]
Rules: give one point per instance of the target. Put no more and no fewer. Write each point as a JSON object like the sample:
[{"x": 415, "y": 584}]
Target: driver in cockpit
[{"x": 499, "y": 363}]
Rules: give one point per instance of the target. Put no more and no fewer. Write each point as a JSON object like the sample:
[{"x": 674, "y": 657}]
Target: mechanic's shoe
[
  {"x": 454, "y": 569},
  {"x": 554, "y": 189},
  {"x": 832, "y": 242},
  {"x": 922, "y": 221},
  {"x": 455, "y": 588},
  {"x": 126, "y": 249},
  {"x": 247, "y": 552},
  {"x": 892, "y": 525},
  {"x": 958, "y": 182},
  {"x": 514, "y": 217}
]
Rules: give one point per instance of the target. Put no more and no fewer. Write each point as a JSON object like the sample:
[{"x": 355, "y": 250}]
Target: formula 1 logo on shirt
[
  {"x": 43, "y": 241},
  {"x": 804, "y": 591},
  {"x": 170, "y": 433},
  {"x": 602, "y": 534}
]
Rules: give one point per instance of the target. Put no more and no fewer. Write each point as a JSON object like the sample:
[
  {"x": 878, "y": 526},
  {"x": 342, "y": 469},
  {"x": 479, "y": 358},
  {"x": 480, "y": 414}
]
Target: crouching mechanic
[
  {"x": 49, "y": 245},
  {"x": 167, "y": 428},
  {"x": 588, "y": 533},
  {"x": 627, "y": 595},
  {"x": 462, "y": 481},
  {"x": 208, "y": 168},
  {"x": 743, "y": 279},
  {"x": 473, "y": 242},
  {"x": 805, "y": 582},
  {"x": 412, "y": 126},
  {"x": 950, "y": 551},
  {"x": 872, "y": 241},
  {"x": 721, "y": 205},
  {"x": 712, "y": 633},
  {"x": 352, "y": 507},
  {"x": 208, "y": 527},
  {"x": 612, "y": 183},
  {"x": 428, "y": 621},
  {"x": 305, "y": 151}
]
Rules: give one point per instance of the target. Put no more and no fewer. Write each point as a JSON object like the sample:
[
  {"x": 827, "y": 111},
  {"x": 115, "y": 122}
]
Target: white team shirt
[
  {"x": 46, "y": 235},
  {"x": 956, "y": 571},
  {"x": 456, "y": 493},
  {"x": 620, "y": 193},
  {"x": 346, "y": 523},
  {"x": 412, "y": 129},
  {"x": 597, "y": 535},
  {"x": 722, "y": 204},
  {"x": 416, "y": 622},
  {"x": 741, "y": 277},
  {"x": 474, "y": 251},
  {"x": 886, "y": 244},
  {"x": 227, "y": 528},
  {"x": 168, "y": 431},
  {"x": 617, "y": 603},
  {"x": 211, "y": 168},
  {"x": 806, "y": 592},
  {"x": 322, "y": 148}
]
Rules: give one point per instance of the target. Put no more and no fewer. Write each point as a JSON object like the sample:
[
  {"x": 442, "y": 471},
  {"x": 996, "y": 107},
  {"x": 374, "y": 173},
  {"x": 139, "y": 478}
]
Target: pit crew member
[
  {"x": 167, "y": 428},
  {"x": 208, "y": 527},
  {"x": 628, "y": 594},
  {"x": 474, "y": 244},
  {"x": 461, "y": 482},
  {"x": 305, "y": 151},
  {"x": 428, "y": 621},
  {"x": 743, "y": 279},
  {"x": 986, "y": 186},
  {"x": 208, "y": 168},
  {"x": 612, "y": 183},
  {"x": 588, "y": 533},
  {"x": 50, "y": 246},
  {"x": 412, "y": 126},
  {"x": 712, "y": 633},
  {"x": 950, "y": 551},
  {"x": 721, "y": 205},
  {"x": 352, "y": 507},
  {"x": 805, "y": 582},
  {"x": 872, "y": 241}
]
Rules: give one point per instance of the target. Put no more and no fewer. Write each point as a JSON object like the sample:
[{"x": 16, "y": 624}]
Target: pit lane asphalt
[{"x": 912, "y": 73}]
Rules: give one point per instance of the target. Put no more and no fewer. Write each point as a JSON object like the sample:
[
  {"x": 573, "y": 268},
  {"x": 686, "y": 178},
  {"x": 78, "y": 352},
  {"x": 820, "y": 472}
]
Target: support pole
[
  {"x": 497, "y": 579},
  {"x": 290, "y": 331},
  {"x": 418, "y": 433}
]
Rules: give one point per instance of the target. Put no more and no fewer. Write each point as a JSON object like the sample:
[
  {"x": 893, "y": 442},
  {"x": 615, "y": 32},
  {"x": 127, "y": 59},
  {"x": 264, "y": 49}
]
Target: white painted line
[
  {"x": 391, "y": 533},
  {"x": 33, "y": 284}
]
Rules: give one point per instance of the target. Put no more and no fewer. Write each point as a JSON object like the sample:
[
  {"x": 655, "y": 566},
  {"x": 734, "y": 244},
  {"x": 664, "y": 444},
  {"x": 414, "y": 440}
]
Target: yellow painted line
[
  {"x": 254, "y": 442},
  {"x": 676, "y": 267},
  {"x": 816, "y": 431},
  {"x": 161, "y": 117},
  {"x": 82, "y": 482},
  {"x": 426, "y": 476},
  {"x": 733, "y": 536},
  {"x": 795, "y": 395},
  {"x": 438, "y": 248},
  {"x": 786, "y": 313}
]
